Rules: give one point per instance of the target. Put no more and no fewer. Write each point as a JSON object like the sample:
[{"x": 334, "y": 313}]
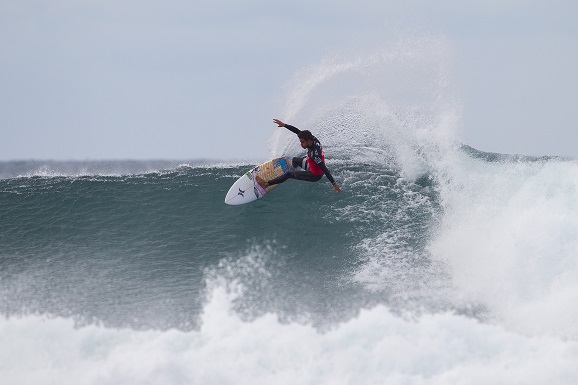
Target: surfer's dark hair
[{"x": 306, "y": 135}]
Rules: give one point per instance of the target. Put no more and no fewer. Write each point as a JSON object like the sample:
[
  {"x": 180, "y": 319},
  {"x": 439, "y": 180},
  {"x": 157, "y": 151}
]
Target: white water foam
[
  {"x": 374, "y": 348},
  {"x": 510, "y": 239}
]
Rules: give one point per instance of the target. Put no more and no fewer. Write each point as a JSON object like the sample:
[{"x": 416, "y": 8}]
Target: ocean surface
[
  {"x": 136, "y": 272},
  {"x": 437, "y": 264}
]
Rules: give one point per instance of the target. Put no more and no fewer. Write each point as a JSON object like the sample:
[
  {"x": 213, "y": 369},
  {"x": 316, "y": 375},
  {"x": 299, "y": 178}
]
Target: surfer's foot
[{"x": 261, "y": 181}]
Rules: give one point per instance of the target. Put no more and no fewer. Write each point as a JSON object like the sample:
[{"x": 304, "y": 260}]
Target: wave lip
[{"x": 54, "y": 168}]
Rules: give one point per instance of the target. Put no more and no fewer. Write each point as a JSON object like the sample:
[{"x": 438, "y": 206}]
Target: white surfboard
[{"x": 246, "y": 189}]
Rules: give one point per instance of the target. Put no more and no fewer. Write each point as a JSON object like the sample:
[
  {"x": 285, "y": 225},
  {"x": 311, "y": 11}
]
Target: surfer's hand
[
  {"x": 336, "y": 187},
  {"x": 279, "y": 123}
]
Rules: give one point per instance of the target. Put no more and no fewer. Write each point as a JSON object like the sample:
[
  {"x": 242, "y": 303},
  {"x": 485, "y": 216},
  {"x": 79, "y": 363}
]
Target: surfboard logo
[{"x": 241, "y": 193}]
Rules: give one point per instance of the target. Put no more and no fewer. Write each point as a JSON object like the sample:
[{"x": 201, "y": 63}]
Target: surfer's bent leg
[
  {"x": 306, "y": 175},
  {"x": 300, "y": 162},
  {"x": 279, "y": 179},
  {"x": 299, "y": 175}
]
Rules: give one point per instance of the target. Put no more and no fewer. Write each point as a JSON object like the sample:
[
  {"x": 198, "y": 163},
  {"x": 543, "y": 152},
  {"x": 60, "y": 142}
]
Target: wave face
[
  {"x": 437, "y": 264},
  {"x": 136, "y": 250}
]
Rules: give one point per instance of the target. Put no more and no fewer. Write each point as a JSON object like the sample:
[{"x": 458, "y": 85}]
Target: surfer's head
[{"x": 306, "y": 138}]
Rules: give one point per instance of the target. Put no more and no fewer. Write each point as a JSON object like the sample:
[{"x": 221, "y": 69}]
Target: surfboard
[{"x": 246, "y": 189}]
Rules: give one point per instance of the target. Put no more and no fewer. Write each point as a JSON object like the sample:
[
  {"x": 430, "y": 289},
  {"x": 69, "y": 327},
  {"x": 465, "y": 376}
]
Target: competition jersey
[{"x": 315, "y": 156}]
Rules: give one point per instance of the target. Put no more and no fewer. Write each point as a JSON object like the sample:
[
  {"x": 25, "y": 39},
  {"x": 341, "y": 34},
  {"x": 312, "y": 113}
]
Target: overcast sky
[{"x": 176, "y": 79}]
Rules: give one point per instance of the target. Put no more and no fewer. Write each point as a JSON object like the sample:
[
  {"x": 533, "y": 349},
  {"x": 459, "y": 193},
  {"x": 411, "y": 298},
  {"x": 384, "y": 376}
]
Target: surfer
[{"x": 313, "y": 164}]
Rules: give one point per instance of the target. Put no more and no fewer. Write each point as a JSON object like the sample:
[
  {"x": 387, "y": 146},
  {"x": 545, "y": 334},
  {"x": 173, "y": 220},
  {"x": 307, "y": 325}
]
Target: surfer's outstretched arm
[
  {"x": 287, "y": 126},
  {"x": 279, "y": 123}
]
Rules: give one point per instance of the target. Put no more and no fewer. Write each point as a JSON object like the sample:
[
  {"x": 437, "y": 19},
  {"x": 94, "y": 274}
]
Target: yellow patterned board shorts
[{"x": 269, "y": 170}]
